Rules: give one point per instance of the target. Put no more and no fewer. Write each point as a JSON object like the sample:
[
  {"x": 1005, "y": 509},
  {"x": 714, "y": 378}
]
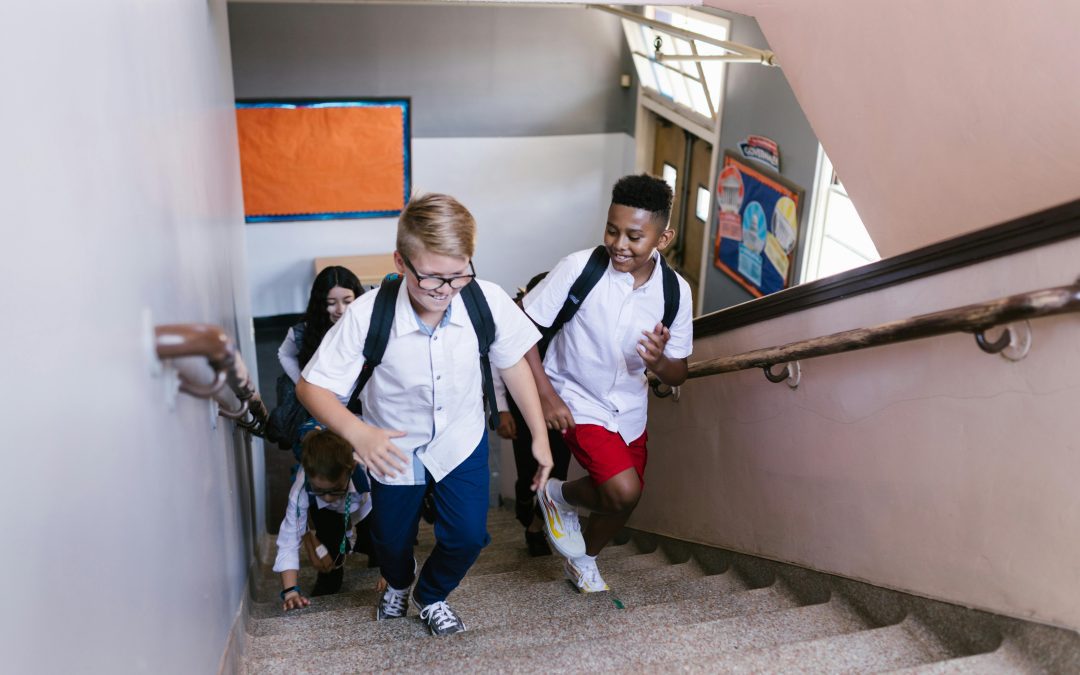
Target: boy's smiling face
[
  {"x": 631, "y": 236},
  {"x": 431, "y": 304}
]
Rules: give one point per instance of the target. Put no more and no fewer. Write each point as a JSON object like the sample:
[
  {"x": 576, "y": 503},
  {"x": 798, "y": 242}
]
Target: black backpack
[
  {"x": 594, "y": 269},
  {"x": 382, "y": 319}
]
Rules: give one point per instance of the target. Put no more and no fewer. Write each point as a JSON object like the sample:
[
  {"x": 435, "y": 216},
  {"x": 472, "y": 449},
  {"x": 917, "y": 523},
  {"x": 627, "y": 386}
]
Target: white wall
[
  {"x": 926, "y": 466},
  {"x": 128, "y": 525},
  {"x": 534, "y": 198}
]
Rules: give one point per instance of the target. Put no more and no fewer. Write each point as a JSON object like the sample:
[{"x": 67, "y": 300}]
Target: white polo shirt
[
  {"x": 427, "y": 386},
  {"x": 593, "y": 362}
]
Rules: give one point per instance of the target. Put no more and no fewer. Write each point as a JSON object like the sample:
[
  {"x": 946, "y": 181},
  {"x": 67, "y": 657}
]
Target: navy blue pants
[{"x": 461, "y": 505}]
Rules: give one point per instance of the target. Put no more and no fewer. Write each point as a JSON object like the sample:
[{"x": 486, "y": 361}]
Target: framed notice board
[
  {"x": 758, "y": 225},
  {"x": 323, "y": 159}
]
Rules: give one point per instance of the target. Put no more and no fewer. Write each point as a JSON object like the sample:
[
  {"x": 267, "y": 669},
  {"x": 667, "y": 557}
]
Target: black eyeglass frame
[
  {"x": 448, "y": 281},
  {"x": 315, "y": 492}
]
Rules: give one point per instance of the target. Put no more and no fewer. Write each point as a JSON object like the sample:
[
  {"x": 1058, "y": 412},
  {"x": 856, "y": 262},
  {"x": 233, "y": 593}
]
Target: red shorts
[{"x": 604, "y": 454}]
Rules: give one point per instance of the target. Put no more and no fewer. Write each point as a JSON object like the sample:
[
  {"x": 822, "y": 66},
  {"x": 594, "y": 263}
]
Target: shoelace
[
  {"x": 394, "y": 601},
  {"x": 592, "y": 576},
  {"x": 570, "y": 520},
  {"x": 440, "y": 613}
]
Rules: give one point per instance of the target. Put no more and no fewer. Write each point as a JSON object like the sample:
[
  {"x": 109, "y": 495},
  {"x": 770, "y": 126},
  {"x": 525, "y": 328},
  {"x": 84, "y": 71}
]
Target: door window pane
[{"x": 670, "y": 175}]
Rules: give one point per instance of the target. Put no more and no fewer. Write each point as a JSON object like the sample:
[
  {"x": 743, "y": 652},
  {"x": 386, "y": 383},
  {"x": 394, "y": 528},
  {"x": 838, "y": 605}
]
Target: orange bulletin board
[{"x": 322, "y": 160}]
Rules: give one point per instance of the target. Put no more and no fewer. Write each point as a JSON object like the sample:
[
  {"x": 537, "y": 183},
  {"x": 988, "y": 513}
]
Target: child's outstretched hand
[
  {"x": 294, "y": 600},
  {"x": 507, "y": 426},
  {"x": 541, "y": 452},
  {"x": 651, "y": 347}
]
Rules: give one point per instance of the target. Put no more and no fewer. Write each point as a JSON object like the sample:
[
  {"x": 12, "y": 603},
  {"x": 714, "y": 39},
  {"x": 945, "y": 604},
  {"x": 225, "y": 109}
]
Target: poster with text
[{"x": 758, "y": 220}]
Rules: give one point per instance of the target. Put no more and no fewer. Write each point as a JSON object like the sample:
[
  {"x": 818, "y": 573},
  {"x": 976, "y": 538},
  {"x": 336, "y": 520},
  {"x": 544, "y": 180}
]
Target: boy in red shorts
[{"x": 592, "y": 381}]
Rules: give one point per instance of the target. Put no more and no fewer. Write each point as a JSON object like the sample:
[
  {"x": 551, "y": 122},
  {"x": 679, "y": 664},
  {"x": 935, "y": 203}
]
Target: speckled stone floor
[{"x": 672, "y": 606}]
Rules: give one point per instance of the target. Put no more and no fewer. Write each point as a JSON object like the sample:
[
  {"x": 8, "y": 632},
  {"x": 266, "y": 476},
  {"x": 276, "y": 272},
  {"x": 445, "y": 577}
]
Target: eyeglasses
[
  {"x": 331, "y": 492},
  {"x": 431, "y": 282}
]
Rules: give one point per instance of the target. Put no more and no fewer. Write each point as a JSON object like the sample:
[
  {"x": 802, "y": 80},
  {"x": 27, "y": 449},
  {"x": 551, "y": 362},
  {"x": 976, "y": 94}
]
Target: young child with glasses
[
  {"x": 423, "y": 419},
  {"x": 324, "y": 506}
]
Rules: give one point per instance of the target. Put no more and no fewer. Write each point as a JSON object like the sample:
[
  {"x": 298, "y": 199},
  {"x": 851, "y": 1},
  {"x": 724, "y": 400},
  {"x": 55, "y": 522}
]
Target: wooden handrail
[
  {"x": 976, "y": 318},
  {"x": 209, "y": 341}
]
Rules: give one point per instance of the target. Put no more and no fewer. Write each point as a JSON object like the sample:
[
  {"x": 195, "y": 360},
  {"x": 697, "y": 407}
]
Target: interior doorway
[{"x": 684, "y": 160}]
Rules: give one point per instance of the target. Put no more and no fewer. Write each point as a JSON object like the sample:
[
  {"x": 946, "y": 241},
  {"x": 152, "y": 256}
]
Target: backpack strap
[
  {"x": 589, "y": 277},
  {"x": 360, "y": 479},
  {"x": 484, "y": 325},
  {"x": 671, "y": 292},
  {"x": 382, "y": 319}
]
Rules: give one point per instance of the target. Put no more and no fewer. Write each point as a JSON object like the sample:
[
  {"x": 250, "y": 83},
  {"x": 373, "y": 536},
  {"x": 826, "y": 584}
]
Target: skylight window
[{"x": 683, "y": 83}]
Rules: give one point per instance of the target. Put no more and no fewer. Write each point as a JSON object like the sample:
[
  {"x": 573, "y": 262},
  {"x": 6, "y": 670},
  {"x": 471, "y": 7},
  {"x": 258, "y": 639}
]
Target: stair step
[
  {"x": 536, "y": 626},
  {"x": 902, "y": 645},
  {"x": 657, "y": 643},
  {"x": 512, "y": 600},
  {"x": 358, "y": 589},
  {"x": 1007, "y": 659},
  {"x": 361, "y": 578}
]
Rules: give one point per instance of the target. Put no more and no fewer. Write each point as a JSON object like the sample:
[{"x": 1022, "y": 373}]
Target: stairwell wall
[
  {"x": 517, "y": 111},
  {"x": 926, "y": 466},
  {"x": 130, "y": 521}
]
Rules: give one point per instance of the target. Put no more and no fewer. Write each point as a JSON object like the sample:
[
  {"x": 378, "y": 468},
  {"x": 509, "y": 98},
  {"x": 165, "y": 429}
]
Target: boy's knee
[
  {"x": 621, "y": 496},
  {"x": 464, "y": 539}
]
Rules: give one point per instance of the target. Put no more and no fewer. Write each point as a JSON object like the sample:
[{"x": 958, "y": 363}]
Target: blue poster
[{"x": 757, "y": 228}]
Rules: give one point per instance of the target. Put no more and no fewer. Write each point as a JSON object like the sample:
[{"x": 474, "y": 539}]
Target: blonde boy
[{"x": 423, "y": 416}]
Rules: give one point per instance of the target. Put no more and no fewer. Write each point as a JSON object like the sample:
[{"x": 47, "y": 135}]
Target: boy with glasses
[
  {"x": 324, "y": 505},
  {"x": 423, "y": 412}
]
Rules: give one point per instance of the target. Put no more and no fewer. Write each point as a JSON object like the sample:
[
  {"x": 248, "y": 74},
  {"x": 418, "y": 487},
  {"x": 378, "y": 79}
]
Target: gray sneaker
[
  {"x": 441, "y": 620},
  {"x": 394, "y": 604}
]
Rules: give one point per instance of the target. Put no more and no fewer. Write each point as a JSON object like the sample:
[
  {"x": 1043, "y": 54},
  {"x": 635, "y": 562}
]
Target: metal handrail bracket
[{"x": 209, "y": 341}]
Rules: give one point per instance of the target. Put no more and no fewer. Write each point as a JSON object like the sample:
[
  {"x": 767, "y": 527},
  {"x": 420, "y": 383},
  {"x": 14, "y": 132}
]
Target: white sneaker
[
  {"x": 585, "y": 576},
  {"x": 561, "y": 524}
]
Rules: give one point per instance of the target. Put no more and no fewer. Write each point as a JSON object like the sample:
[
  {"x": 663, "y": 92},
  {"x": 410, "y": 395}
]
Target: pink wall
[
  {"x": 927, "y": 466},
  {"x": 940, "y": 117}
]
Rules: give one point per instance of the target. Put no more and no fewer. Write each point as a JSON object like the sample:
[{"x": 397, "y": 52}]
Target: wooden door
[
  {"x": 695, "y": 223},
  {"x": 683, "y": 160}
]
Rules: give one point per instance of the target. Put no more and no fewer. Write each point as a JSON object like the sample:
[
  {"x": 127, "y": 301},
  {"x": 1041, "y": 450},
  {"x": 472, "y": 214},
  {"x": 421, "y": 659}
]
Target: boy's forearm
[
  {"x": 288, "y": 578},
  {"x": 520, "y": 381},
  {"x": 324, "y": 406},
  {"x": 671, "y": 372},
  {"x": 540, "y": 378}
]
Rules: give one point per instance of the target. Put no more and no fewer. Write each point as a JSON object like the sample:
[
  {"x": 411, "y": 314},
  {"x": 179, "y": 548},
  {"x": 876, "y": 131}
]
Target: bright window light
[{"x": 694, "y": 87}]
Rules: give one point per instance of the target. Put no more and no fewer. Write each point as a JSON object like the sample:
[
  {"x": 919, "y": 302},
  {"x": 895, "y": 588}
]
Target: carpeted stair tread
[
  {"x": 1006, "y": 660},
  {"x": 902, "y": 645},
  {"x": 357, "y": 587},
  {"x": 495, "y": 605},
  {"x": 538, "y": 627},
  {"x": 657, "y": 642},
  {"x": 362, "y": 578}
]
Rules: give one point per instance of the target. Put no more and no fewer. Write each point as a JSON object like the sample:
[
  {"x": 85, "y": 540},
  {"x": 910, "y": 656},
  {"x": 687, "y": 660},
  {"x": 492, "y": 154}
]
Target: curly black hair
[
  {"x": 644, "y": 192},
  {"x": 316, "y": 318}
]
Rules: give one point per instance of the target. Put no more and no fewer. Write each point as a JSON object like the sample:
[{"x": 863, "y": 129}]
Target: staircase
[{"x": 673, "y": 606}]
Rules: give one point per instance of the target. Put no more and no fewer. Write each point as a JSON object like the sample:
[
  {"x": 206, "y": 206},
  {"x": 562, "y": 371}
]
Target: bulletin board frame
[
  {"x": 760, "y": 227},
  {"x": 324, "y": 159}
]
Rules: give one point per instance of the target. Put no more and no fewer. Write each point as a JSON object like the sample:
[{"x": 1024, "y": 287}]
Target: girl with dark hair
[{"x": 333, "y": 291}]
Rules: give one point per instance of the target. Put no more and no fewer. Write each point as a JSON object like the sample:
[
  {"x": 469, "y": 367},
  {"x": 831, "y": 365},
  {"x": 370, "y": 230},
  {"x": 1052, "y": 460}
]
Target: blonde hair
[{"x": 437, "y": 223}]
